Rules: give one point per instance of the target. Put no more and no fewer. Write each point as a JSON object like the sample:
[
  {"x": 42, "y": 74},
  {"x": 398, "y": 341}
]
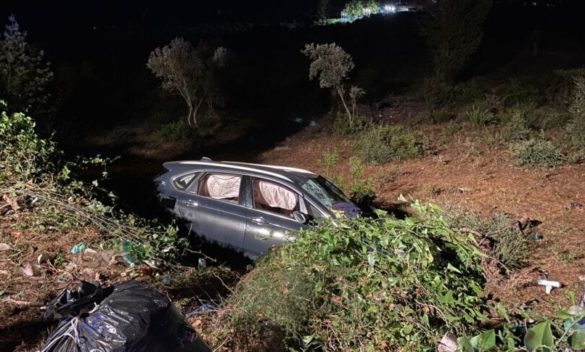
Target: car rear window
[{"x": 183, "y": 182}]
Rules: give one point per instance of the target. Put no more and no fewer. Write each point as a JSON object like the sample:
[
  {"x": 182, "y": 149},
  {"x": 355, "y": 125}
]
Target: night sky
[{"x": 143, "y": 13}]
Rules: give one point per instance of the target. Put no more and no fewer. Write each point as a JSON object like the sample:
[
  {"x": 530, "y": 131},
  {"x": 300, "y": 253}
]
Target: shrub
[
  {"x": 361, "y": 190},
  {"x": 435, "y": 116},
  {"x": 438, "y": 93},
  {"x": 329, "y": 160},
  {"x": 544, "y": 118},
  {"x": 511, "y": 246},
  {"x": 181, "y": 132},
  {"x": 369, "y": 285},
  {"x": 537, "y": 153},
  {"x": 518, "y": 92},
  {"x": 32, "y": 171},
  {"x": 576, "y": 128},
  {"x": 383, "y": 143},
  {"x": 479, "y": 114},
  {"x": 515, "y": 125},
  {"x": 342, "y": 127},
  {"x": 24, "y": 157}
]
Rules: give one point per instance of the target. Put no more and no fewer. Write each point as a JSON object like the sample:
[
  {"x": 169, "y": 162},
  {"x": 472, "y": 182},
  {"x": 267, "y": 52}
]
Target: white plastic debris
[
  {"x": 549, "y": 285},
  {"x": 448, "y": 343}
]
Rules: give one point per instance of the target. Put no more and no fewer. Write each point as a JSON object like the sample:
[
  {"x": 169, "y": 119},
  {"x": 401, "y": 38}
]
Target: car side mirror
[{"x": 300, "y": 217}]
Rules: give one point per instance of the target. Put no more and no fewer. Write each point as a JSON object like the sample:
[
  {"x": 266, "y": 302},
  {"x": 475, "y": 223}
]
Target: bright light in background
[{"x": 389, "y": 8}]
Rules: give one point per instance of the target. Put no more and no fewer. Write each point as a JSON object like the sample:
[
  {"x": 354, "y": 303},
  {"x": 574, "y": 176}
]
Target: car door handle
[
  {"x": 190, "y": 203},
  {"x": 259, "y": 220}
]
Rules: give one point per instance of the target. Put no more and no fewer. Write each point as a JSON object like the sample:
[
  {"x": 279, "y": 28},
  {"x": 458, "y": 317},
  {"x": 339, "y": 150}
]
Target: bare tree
[
  {"x": 185, "y": 70},
  {"x": 332, "y": 65},
  {"x": 24, "y": 73}
]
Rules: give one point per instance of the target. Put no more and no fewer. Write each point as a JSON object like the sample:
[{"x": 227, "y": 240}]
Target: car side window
[
  {"x": 183, "y": 182},
  {"x": 225, "y": 187},
  {"x": 274, "y": 198}
]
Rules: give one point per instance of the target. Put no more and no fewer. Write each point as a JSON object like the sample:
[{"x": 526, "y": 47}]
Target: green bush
[
  {"x": 437, "y": 94},
  {"x": 342, "y": 126},
  {"x": 515, "y": 125},
  {"x": 361, "y": 189},
  {"x": 366, "y": 286},
  {"x": 181, "y": 132},
  {"x": 576, "y": 127},
  {"x": 544, "y": 118},
  {"x": 329, "y": 160},
  {"x": 518, "y": 92},
  {"x": 511, "y": 246},
  {"x": 537, "y": 153},
  {"x": 32, "y": 168},
  {"x": 435, "y": 116},
  {"x": 384, "y": 143},
  {"x": 24, "y": 156},
  {"x": 479, "y": 114}
]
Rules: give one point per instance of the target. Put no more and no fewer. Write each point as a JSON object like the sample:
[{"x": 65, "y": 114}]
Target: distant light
[{"x": 389, "y": 8}]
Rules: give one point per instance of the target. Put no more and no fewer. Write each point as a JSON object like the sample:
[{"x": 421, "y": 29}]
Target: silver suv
[{"x": 249, "y": 207}]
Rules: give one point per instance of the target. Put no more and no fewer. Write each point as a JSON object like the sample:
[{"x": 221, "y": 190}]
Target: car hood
[{"x": 345, "y": 209}]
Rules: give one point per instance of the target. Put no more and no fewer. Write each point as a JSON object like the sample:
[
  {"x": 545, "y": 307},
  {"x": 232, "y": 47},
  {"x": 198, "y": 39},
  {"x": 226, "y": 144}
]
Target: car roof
[{"x": 291, "y": 174}]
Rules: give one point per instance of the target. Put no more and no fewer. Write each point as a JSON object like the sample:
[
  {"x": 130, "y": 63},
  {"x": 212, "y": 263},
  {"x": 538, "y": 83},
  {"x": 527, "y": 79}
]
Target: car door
[
  {"x": 270, "y": 215},
  {"x": 214, "y": 207}
]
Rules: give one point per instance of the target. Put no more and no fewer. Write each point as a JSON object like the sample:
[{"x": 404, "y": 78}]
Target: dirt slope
[{"x": 464, "y": 171}]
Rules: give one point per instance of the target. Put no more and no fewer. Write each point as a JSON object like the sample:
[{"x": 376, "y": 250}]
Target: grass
[
  {"x": 510, "y": 247},
  {"x": 383, "y": 143}
]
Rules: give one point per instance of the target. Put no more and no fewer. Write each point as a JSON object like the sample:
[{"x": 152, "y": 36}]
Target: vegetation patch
[
  {"x": 537, "y": 153},
  {"x": 510, "y": 246},
  {"x": 33, "y": 176},
  {"x": 383, "y": 143},
  {"x": 417, "y": 280}
]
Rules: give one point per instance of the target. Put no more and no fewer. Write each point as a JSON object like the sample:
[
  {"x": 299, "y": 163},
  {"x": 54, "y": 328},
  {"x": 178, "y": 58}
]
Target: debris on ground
[
  {"x": 448, "y": 344},
  {"x": 130, "y": 316},
  {"x": 549, "y": 285}
]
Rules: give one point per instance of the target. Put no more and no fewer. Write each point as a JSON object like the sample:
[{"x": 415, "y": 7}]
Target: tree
[
  {"x": 454, "y": 30},
  {"x": 24, "y": 73},
  {"x": 323, "y": 8},
  {"x": 189, "y": 72},
  {"x": 332, "y": 65}
]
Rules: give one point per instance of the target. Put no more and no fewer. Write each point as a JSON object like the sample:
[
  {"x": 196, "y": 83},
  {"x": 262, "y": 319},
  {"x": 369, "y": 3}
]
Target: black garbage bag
[{"x": 127, "y": 317}]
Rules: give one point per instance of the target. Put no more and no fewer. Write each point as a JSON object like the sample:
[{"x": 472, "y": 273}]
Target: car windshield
[{"x": 324, "y": 191}]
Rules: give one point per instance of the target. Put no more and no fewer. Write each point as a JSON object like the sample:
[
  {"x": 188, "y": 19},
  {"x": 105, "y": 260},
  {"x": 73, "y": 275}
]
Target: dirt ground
[{"x": 464, "y": 171}]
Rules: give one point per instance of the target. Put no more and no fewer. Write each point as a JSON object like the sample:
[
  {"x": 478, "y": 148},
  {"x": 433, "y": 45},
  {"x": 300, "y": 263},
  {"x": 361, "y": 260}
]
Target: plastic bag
[{"x": 128, "y": 317}]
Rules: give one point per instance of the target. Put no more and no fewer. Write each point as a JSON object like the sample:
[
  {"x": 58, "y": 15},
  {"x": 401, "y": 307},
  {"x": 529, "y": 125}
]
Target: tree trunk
[
  {"x": 350, "y": 117},
  {"x": 194, "y": 115},
  {"x": 190, "y": 112}
]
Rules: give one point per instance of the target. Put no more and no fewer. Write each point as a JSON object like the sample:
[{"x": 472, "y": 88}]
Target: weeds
[
  {"x": 342, "y": 127},
  {"x": 537, "y": 153},
  {"x": 380, "y": 144},
  {"x": 576, "y": 127},
  {"x": 329, "y": 160},
  {"x": 361, "y": 190},
  {"x": 515, "y": 125},
  {"x": 480, "y": 115},
  {"x": 511, "y": 246}
]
